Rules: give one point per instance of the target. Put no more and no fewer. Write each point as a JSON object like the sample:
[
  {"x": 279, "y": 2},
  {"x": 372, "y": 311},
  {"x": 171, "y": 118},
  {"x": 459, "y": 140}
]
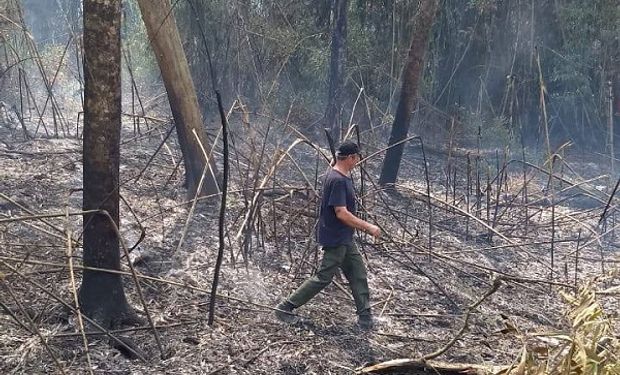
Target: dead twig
[
  {"x": 247, "y": 361},
  {"x": 422, "y": 363},
  {"x": 437, "y": 353}
]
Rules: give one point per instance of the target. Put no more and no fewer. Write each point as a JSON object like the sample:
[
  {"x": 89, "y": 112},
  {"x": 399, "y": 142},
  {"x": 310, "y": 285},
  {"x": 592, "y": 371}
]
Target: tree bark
[
  {"x": 408, "y": 95},
  {"x": 101, "y": 294},
  {"x": 336, "y": 67},
  {"x": 166, "y": 43}
]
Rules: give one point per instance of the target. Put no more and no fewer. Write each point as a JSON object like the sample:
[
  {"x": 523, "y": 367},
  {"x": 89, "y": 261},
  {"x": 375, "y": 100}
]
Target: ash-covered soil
[{"x": 420, "y": 295}]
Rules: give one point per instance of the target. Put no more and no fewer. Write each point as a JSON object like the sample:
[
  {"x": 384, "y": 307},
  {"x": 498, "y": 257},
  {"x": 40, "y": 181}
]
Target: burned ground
[{"x": 422, "y": 289}]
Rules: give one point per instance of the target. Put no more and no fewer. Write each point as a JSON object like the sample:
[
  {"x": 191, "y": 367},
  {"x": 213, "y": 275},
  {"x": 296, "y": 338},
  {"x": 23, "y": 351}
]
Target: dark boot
[
  {"x": 365, "y": 321},
  {"x": 284, "y": 312}
]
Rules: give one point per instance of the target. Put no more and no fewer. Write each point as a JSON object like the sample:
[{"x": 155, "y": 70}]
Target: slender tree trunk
[
  {"x": 336, "y": 67},
  {"x": 101, "y": 294},
  {"x": 166, "y": 42},
  {"x": 615, "y": 85},
  {"x": 412, "y": 75}
]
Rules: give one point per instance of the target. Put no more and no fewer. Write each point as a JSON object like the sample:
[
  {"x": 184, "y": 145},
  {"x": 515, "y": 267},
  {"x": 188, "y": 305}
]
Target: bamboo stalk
[
  {"x": 199, "y": 188},
  {"x": 488, "y": 203},
  {"x": 222, "y": 215},
  {"x": 577, "y": 261},
  {"x": 468, "y": 196},
  {"x": 136, "y": 282},
  {"x": 610, "y": 120},
  {"x": 75, "y": 294}
]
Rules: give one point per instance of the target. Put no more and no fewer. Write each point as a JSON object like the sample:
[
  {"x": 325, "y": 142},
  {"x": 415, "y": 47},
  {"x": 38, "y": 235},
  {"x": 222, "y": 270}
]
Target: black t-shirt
[{"x": 337, "y": 191}]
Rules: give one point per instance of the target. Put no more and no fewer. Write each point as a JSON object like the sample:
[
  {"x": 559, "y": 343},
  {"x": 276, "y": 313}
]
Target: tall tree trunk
[
  {"x": 101, "y": 294},
  {"x": 408, "y": 95},
  {"x": 166, "y": 42},
  {"x": 614, "y": 79},
  {"x": 616, "y": 99},
  {"x": 336, "y": 67}
]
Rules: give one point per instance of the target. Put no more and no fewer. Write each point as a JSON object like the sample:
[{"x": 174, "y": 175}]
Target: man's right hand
[{"x": 373, "y": 230}]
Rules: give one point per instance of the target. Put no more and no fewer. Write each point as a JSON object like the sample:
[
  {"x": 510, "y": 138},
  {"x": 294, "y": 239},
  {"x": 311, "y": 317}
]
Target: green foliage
[
  {"x": 317, "y": 63},
  {"x": 590, "y": 31},
  {"x": 482, "y": 5},
  {"x": 136, "y": 45},
  {"x": 492, "y": 131},
  {"x": 276, "y": 54},
  {"x": 579, "y": 67},
  {"x": 590, "y": 24}
]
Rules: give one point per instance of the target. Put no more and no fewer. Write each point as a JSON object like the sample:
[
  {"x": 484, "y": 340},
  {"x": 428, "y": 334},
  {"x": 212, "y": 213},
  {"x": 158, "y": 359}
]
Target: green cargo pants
[{"x": 346, "y": 257}]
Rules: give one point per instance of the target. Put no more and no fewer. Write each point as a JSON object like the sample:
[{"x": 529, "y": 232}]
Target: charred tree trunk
[
  {"x": 101, "y": 294},
  {"x": 412, "y": 75},
  {"x": 166, "y": 42},
  {"x": 336, "y": 67}
]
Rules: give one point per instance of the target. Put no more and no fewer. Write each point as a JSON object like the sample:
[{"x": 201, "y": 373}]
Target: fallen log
[{"x": 415, "y": 366}]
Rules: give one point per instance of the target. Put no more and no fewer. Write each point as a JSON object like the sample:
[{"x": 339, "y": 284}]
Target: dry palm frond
[
  {"x": 589, "y": 348},
  {"x": 592, "y": 348}
]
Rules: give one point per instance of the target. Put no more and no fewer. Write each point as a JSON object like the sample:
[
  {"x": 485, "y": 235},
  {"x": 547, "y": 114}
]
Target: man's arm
[{"x": 355, "y": 222}]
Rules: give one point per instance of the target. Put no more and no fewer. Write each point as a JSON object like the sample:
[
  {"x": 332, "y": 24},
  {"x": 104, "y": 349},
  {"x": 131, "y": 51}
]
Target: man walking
[{"x": 337, "y": 222}]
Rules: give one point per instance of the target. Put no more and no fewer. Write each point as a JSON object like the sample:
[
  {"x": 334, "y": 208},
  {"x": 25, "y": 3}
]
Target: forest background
[
  {"x": 484, "y": 67},
  {"x": 537, "y": 79}
]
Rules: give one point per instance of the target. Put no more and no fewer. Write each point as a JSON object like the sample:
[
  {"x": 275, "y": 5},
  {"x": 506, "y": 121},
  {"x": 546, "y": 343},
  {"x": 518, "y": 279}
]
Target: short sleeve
[{"x": 338, "y": 194}]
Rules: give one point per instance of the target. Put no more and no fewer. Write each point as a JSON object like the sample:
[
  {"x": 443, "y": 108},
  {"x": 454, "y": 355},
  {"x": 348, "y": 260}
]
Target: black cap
[{"x": 347, "y": 148}]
